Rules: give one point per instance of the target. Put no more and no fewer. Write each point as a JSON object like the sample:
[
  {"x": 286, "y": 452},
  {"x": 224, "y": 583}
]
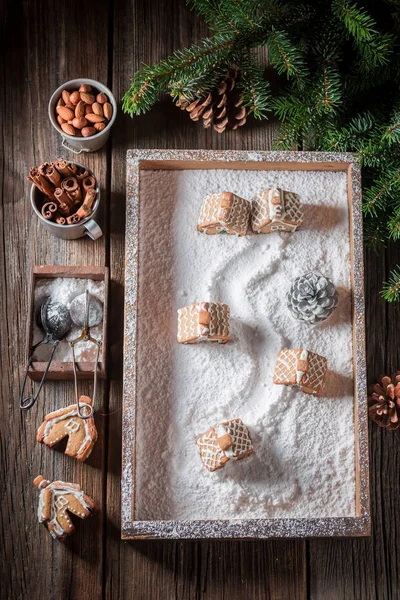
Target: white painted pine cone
[{"x": 312, "y": 298}]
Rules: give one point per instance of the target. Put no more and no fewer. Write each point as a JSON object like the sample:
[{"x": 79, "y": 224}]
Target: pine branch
[
  {"x": 215, "y": 14},
  {"x": 225, "y": 16},
  {"x": 149, "y": 82},
  {"x": 285, "y": 57},
  {"x": 384, "y": 190},
  {"x": 255, "y": 89},
  {"x": 391, "y": 134},
  {"x": 375, "y": 234},
  {"x": 391, "y": 288},
  {"x": 356, "y": 21},
  {"x": 375, "y": 53},
  {"x": 328, "y": 92},
  {"x": 189, "y": 87},
  {"x": 394, "y": 226}
]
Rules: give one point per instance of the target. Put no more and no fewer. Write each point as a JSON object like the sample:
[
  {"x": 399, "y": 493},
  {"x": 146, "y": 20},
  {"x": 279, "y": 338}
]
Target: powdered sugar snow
[
  {"x": 65, "y": 290},
  {"x": 303, "y": 464}
]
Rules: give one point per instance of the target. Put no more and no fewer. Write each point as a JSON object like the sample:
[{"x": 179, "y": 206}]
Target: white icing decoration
[
  {"x": 58, "y": 500},
  {"x": 299, "y": 374},
  {"x": 221, "y": 430},
  {"x": 71, "y": 414},
  {"x": 72, "y": 425}
]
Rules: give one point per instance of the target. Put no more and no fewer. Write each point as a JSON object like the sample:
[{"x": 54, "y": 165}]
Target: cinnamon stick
[
  {"x": 72, "y": 168},
  {"x": 71, "y": 187},
  {"x": 89, "y": 183},
  {"x": 87, "y": 205},
  {"x": 64, "y": 201},
  {"x": 75, "y": 218},
  {"x": 62, "y": 167},
  {"x": 41, "y": 182},
  {"x": 81, "y": 173},
  {"x": 51, "y": 173},
  {"x": 48, "y": 210}
]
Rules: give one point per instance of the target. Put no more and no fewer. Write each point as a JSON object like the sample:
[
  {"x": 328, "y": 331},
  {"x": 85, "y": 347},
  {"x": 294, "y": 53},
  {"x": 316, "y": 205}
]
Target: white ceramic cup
[
  {"x": 82, "y": 144},
  {"x": 87, "y": 226}
]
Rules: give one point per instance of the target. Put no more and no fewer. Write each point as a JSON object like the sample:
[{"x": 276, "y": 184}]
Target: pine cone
[
  {"x": 220, "y": 109},
  {"x": 312, "y": 298},
  {"x": 384, "y": 401}
]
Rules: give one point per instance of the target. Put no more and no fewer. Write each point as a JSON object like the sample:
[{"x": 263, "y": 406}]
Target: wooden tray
[
  {"x": 64, "y": 370},
  {"x": 358, "y": 525}
]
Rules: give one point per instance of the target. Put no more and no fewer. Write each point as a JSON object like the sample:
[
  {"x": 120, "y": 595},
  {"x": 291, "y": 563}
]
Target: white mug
[
  {"x": 82, "y": 144},
  {"x": 87, "y": 226}
]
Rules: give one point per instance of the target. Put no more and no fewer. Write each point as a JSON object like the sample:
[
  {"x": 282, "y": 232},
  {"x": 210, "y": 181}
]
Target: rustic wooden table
[{"x": 44, "y": 44}]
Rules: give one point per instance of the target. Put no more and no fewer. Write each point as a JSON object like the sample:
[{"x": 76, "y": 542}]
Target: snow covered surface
[
  {"x": 303, "y": 464},
  {"x": 64, "y": 290}
]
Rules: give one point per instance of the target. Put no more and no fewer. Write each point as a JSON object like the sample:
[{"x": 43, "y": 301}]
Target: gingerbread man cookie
[
  {"x": 276, "y": 210},
  {"x": 56, "y": 500},
  {"x": 303, "y": 368},
  {"x": 82, "y": 433},
  {"x": 203, "y": 322},
  {"x": 224, "y": 211},
  {"x": 230, "y": 440}
]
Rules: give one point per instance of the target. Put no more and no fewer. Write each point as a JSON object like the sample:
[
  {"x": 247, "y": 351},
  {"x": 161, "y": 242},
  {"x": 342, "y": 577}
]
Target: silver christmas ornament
[{"x": 312, "y": 298}]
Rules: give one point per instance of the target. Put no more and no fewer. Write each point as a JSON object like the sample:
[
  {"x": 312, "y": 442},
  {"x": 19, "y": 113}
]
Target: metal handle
[
  {"x": 92, "y": 229},
  {"x": 71, "y": 149},
  {"x": 29, "y": 401}
]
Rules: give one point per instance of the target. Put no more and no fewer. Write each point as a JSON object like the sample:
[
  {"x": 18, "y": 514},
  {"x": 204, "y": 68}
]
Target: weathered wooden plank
[
  {"x": 157, "y": 570},
  {"x": 44, "y": 45}
]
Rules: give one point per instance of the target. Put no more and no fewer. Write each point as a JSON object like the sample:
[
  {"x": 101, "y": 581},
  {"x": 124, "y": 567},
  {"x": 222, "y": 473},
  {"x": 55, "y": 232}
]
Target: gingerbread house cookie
[
  {"x": 56, "y": 500},
  {"x": 276, "y": 210},
  {"x": 82, "y": 433},
  {"x": 303, "y": 368},
  {"x": 224, "y": 211},
  {"x": 203, "y": 322},
  {"x": 230, "y": 440}
]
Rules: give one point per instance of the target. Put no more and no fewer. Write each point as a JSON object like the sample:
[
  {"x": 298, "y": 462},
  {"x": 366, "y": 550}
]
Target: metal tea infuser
[
  {"x": 83, "y": 317},
  {"x": 56, "y": 321}
]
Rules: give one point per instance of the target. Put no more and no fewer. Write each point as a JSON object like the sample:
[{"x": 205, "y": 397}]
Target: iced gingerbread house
[
  {"x": 303, "y": 368},
  {"x": 66, "y": 422},
  {"x": 276, "y": 210},
  {"x": 230, "y": 440},
  {"x": 203, "y": 322},
  {"x": 56, "y": 500},
  {"x": 226, "y": 212}
]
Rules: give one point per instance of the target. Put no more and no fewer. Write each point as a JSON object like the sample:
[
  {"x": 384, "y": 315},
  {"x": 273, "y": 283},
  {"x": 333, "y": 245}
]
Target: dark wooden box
[{"x": 64, "y": 370}]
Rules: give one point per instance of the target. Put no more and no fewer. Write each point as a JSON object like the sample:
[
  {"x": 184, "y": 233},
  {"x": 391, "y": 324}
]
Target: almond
[
  {"x": 60, "y": 102},
  {"x": 97, "y": 109},
  {"x": 79, "y": 122},
  {"x": 99, "y": 126},
  {"x": 65, "y": 96},
  {"x": 85, "y": 88},
  {"x": 92, "y": 118},
  {"x": 65, "y": 113},
  {"x": 86, "y": 97},
  {"x": 107, "y": 110},
  {"x": 88, "y": 108},
  {"x": 80, "y": 109},
  {"x": 101, "y": 98},
  {"x": 87, "y": 131},
  {"x": 68, "y": 129},
  {"x": 70, "y": 106},
  {"x": 60, "y": 120},
  {"x": 75, "y": 97}
]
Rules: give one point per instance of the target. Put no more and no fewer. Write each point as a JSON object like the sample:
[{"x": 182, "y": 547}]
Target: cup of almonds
[{"x": 83, "y": 112}]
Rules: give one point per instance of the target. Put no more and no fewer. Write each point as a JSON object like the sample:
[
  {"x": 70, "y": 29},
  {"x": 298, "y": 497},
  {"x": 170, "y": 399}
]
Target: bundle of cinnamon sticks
[{"x": 69, "y": 190}]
